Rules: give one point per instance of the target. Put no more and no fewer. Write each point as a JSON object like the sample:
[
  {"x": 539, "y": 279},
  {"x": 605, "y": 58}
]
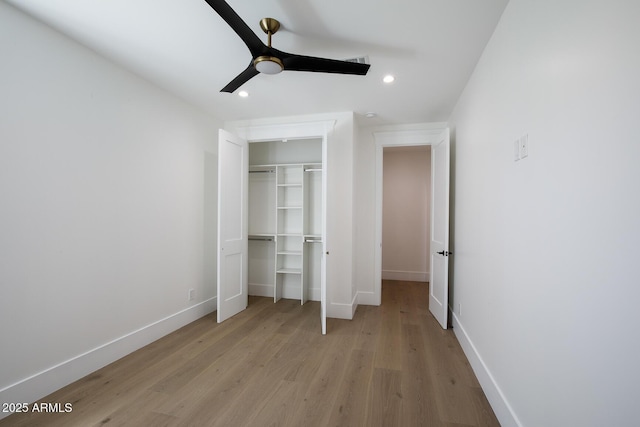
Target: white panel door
[
  {"x": 233, "y": 172},
  {"x": 323, "y": 259},
  {"x": 439, "y": 281}
]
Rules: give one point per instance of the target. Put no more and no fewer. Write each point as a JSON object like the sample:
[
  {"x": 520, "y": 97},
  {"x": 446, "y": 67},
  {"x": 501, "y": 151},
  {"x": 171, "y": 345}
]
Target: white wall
[
  {"x": 103, "y": 194},
  {"x": 406, "y": 213},
  {"x": 341, "y": 294},
  {"x": 547, "y": 248},
  {"x": 364, "y": 215}
]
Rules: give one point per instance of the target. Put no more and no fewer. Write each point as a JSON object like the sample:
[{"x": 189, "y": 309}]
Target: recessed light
[
  {"x": 243, "y": 94},
  {"x": 370, "y": 115},
  {"x": 388, "y": 78}
]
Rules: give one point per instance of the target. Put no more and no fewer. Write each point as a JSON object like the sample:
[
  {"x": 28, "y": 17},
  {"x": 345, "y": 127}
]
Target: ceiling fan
[{"x": 268, "y": 60}]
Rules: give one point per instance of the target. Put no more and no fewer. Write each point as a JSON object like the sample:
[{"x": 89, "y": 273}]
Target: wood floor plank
[
  {"x": 418, "y": 391},
  {"x": 239, "y": 412},
  {"x": 280, "y": 405},
  {"x": 325, "y": 385},
  {"x": 369, "y": 334},
  {"x": 139, "y": 411},
  {"x": 350, "y": 407},
  {"x": 389, "y": 339},
  {"x": 269, "y": 365},
  {"x": 386, "y": 391},
  {"x": 224, "y": 380},
  {"x": 453, "y": 378}
]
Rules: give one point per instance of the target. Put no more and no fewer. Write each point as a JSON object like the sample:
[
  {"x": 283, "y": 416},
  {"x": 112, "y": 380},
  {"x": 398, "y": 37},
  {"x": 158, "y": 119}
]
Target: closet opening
[
  {"x": 406, "y": 215},
  {"x": 285, "y": 209}
]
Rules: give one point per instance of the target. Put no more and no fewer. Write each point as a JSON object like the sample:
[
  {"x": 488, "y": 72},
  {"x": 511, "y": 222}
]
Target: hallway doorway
[
  {"x": 406, "y": 213},
  {"x": 438, "y": 140}
]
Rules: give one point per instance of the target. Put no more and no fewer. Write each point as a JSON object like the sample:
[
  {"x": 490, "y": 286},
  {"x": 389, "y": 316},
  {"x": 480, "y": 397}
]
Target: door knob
[
  {"x": 445, "y": 253},
  {"x": 440, "y": 253}
]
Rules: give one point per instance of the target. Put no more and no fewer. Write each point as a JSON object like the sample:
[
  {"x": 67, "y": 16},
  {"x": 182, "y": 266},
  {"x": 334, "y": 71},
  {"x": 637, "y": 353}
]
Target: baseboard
[
  {"x": 368, "y": 298},
  {"x": 504, "y": 412},
  {"x": 260, "y": 290},
  {"x": 46, "y": 382},
  {"x": 354, "y": 305},
  {"x": 406, "y": 276},
  {"x": 342, "y": 311},
  {"x": 289, "y": 292}
]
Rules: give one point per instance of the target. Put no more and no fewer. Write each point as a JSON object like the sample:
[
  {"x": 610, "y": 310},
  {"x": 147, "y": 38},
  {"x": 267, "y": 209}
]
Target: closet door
[{"x": 233, "y": 170}]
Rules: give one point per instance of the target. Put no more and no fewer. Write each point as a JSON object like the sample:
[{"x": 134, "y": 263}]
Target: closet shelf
[{"x": 294, "y": 253}]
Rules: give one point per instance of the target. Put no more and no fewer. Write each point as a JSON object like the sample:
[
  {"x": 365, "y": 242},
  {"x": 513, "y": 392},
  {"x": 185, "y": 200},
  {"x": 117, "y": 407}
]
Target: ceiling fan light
[{"x": 268, "y": 64}]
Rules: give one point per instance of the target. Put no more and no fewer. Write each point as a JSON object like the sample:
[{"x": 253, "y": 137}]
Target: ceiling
[{"x": 430, "y": 46}]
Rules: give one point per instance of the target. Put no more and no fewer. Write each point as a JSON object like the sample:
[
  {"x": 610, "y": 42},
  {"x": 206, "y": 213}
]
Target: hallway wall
[
  {"x": 406, "y": 213},
  {"x": 545, "y": 279}
]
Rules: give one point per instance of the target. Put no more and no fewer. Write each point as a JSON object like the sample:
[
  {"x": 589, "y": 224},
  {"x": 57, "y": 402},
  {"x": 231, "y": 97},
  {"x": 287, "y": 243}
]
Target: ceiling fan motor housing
[{"x": 268, "y": 64}]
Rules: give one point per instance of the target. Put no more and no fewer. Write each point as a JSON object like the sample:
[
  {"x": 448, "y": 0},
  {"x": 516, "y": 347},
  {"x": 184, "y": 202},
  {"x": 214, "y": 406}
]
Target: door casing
[
  {"x": 293, "y": 131},
  {"x": 395, "y": 138}
]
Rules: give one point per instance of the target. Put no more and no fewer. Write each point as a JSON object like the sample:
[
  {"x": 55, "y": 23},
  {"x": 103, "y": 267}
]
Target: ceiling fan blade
[
  {"x": 322, "y": 65},
  {"x": 236, "y": 23},
  {"x": 241, "y": 79}
]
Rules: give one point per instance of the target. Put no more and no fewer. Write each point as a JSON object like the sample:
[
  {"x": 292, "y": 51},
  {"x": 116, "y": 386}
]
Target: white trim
[
  {"x": 257, "y": 133},
  {"x": 407, "y": 276},
  {"x": 260, "y": 290},
  {"x": 288, "y": 292},
  {"x": 366, "y": 298},
  {"x": 354, "y": 305},
  {"x": 46, "y": 382},
  {"x": 393, "y": 138},
  {"x": 337, "y": 310},
  {"x": 422, "y": 134},
  {"x": 504, "y": 412}
]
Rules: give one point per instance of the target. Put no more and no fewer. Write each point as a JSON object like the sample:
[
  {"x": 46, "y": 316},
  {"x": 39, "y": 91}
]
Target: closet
[{"x": 285, "y": 208}]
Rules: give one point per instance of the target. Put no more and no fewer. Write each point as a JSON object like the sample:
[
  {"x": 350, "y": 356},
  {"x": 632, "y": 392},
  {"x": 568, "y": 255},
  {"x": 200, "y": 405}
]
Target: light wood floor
[{"x": 269, "y": 366}]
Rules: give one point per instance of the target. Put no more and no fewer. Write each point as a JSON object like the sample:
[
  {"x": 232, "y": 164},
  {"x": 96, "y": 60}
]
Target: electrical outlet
[
  {"x": 192, "y": 294},
  {"x": 524, "y": 146},
  {"x": 521, "y": 147}
]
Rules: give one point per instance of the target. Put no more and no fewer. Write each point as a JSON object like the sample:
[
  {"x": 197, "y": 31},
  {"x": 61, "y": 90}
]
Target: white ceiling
[{"x": 431, "y": 46}]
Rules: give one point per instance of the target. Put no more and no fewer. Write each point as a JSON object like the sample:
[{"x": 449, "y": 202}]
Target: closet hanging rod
[
  {"x": 313, "y": 170},
  {"x": 313, "y": 241},
  {"x": 267, "y": 171},
  {"x": 262, "y": 239}
]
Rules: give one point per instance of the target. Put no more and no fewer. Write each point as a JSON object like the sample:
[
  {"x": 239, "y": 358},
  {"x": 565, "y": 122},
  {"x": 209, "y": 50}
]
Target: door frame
[
  {"x": 293, "y": 131},
  {"x": 430, "y": 135}
]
